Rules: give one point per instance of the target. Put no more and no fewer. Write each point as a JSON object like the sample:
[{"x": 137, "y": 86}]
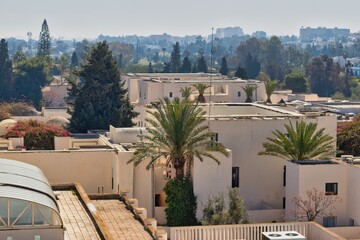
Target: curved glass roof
[{"x": 26, "y": 183}]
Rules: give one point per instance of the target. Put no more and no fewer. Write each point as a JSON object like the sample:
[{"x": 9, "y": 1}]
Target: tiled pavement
[
  {"x": 120, "y": 221},
  {"x": 76, "y": 220}
]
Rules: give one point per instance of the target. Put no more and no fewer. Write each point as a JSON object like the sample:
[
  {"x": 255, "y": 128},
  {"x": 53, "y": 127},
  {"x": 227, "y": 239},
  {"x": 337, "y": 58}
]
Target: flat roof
[{"x": 247, "y": 110}]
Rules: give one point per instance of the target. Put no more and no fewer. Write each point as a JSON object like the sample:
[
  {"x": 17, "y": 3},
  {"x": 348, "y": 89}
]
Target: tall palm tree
[
  {"x": 177, "y": 133},
  {"x": 249, "y": 89},
  {"x": 201, "y": 87},
  {"x": 304, "y": 142},
  {"x": 270, "y": 87}
]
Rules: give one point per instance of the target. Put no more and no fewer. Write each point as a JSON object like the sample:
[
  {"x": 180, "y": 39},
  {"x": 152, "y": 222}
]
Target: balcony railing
[{"x": 311, "y": 230}]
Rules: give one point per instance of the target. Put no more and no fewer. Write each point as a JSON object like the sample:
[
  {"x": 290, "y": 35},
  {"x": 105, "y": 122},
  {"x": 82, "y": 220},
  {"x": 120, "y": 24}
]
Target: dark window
[
  {"x": 239, "y": 94},
  {"x": 284, "y": 202},
  {"x": 235, "y": 177},
  {"x": 331, "y": 188},
  {"x": 284, "y": 176},
  {"x": 351, "y": 222},
  {"x": 170, "y": 94},
  {"x": 214, "y": 139},
  {"x": 329, "y": 221}
]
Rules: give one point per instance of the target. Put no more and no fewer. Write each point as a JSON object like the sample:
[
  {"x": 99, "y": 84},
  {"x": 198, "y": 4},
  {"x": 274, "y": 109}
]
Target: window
[
  {"x": 284, "y": 202},
  {"x": 235, "y": 177},
  {"x": 284, "y": 176},
  {"x": 215, "y": 139},
  {"x": 170, "y": 94},
  {"x": 329, "y": 221},
  {"x": 239, "y": 94},
  {"x": 331, "y": 188},
  {"x": 351, "y": 222}
]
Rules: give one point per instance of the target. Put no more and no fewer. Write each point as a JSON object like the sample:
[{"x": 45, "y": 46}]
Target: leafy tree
[
  {"x": 263, "y": 77},
  {"x": 6, "y": 72},
  {"x": 304, "y": 142},
  {"x": 18, "y": 57},
  {"x": 270, "y": 87},
  {"x": 201, "y": 87},
  {"x": 74, "y": 60},
  {"x": 251, "y": 46},
  {"x": 101, "y": 100},
  {"x": 31, "y": 76},
  {"x": 216, "y": 213},
  {"x": 348, "y": 140},
  {"x": 252, "y": 66},
  {"x": 186, "y": 65},
  {"x": 249, "y": 89},
  {"x": 175, "y": 62},
  {"x": 241, "y": 73},
  {"x": 44, "y": 46},
  {"x": 201, "y": 65},
  {"x": 296, "y": 82},
  {"x": 316, "y": 204},
  {"x": 224, "y": 67},
  {"x": 181, "y": 203},
  {"x": 273, "y": 58},
  {"x": 323, "y": 75}
]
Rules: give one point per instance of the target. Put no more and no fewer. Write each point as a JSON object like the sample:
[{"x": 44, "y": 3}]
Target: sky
[{"x": 79, "y": 19}]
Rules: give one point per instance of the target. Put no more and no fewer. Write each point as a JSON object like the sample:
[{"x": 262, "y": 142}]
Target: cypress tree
[
  {"x": 150, "y": 68},
  {"x": 186, "y": 66},
  {"x": 44, "y": 46},
  {"x": 201, "y": 65},
  {"x": 252, "y": 66},
  {"x": 6, "y": 77},
  {"x": 241, "y": 73},
  {"x": 101, "y": 100},
  {"x": 224, "y": 67},
  {"x": 175, "y": 58},
  {"x": 74, "y": 61}
]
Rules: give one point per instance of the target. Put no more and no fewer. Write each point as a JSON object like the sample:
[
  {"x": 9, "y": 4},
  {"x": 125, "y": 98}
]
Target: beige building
[{"x": 147, "y": 88}]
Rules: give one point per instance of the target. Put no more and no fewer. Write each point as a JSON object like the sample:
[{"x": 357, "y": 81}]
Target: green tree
[
  {"x": 252, "y": 66},
  {"x": 302, "y": 142},
  {"x": 18, "y": 57},
  {"x": 150, "y": 68},
  {"x": 6, "y": 72},
  {"x": 44, "y": 46},
  {"x": 270, "y": 87},
  {"x": 201, "y": 87},
  {"x": 249, "y": 89},
  {"x": 74, "y": 60},
  {"x": 273, "y": 58},
  {"x": 224, "y": 67},
  {"x": 186, "y": 66},
  {"x": 100, "y": 100},
  {"x": 31, "y": 76},
  {"x": 296, "y": 82},
  {"x": 175, "y": 58},
  {"x": 241, "y": 73},
  {"x": 348, "y": 140},
  {"x": 201, "y": 65}
]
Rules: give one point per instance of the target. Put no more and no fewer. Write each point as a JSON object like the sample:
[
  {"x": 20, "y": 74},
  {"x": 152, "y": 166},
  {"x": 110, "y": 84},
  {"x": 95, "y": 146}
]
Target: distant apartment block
[
  {"x": 228, "y": 32},
  {"x": 309, "y": 34}
]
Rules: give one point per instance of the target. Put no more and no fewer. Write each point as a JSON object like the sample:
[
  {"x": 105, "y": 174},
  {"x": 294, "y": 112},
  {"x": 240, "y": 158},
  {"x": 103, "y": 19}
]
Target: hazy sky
[{"x": 80, "y": 18}]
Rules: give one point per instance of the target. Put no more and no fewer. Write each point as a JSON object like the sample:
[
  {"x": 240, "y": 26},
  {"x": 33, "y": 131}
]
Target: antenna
[{"x": 211, "y": 68}]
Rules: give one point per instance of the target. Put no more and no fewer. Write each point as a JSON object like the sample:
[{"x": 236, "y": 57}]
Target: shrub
[
  {"x": 215, "y": 212},
  {"x": 18, "y": 109},
  {"x": 37, "y": 135},
  {"x": 181, "y": 203}
]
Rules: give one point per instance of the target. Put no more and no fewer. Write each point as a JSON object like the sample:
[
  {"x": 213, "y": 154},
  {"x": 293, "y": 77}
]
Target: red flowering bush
[{"x": 37, "y": 135}]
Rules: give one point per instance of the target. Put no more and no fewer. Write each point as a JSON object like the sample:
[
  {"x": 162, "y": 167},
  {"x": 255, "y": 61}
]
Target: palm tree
[
  {"x": 303, "y": 142},
  {"x": 249, "y": 89},
  {"x": 270, "y": 87},
  {"x": 177, "y": 133},
  {"x": 186, "y": 92},
  {"x": 201, "y": 87}
]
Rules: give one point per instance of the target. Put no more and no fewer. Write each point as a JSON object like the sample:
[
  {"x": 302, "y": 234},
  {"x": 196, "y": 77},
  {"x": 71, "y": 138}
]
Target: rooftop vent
[{"x": 287, "y": 235}]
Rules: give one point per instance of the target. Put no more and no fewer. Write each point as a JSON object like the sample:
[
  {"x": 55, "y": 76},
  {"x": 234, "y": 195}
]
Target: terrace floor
[{"x": 120, "y": 221}]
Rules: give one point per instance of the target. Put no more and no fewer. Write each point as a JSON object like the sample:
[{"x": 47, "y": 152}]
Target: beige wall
[
  {"x": 353, "y": 206},
  {"x": 266, "y": 216},
  {"x": 29, "y": 234},
  {"x": 92, "y": 169},
  {"x": 306, "y": 177}
]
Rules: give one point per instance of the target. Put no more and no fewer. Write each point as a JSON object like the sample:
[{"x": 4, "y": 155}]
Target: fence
[{"x": 311, "y": 230}]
